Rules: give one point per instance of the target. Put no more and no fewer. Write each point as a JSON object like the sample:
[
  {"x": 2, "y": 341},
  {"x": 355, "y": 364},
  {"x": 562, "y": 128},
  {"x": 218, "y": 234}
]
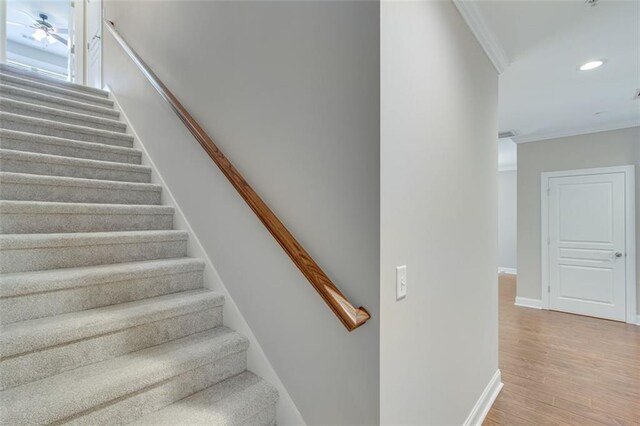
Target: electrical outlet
[{"x": 401, "y": 282}]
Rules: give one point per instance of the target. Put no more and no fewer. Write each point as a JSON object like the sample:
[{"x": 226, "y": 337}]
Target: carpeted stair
[{"x": 104, "y": 319}]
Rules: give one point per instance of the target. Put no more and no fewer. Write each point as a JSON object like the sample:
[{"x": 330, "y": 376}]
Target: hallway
[{"x": 561, "y": 369}]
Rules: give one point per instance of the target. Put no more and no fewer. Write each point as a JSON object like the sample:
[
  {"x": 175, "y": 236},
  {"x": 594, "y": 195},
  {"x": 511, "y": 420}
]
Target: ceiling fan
[{"x": 43, "y": 29}]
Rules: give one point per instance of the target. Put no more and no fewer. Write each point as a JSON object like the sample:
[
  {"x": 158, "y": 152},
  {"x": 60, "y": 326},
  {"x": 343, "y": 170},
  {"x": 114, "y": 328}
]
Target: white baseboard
[
  {"x": 528, "y": 303},
  {"x": 257, "y": 361},
  {"x": 510, "y": 271},
  {"x": 525, "y": 302},
  {"x": 484, "y": 403}
]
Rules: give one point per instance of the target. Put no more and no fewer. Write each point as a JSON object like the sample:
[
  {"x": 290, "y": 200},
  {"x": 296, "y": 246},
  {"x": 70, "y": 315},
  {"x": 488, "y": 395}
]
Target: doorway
[
  {"x": 59, "y": 39},
  {"x": 37, "y": 37},
  {"x": 588, "y": 242}
]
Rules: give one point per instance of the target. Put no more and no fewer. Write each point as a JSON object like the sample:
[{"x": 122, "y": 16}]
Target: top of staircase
[{"x": 30, "y": 75}]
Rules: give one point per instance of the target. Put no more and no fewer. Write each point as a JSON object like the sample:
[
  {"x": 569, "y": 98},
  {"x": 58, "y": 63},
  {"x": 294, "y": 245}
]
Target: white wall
[
  {"x": 507, "y": 219},
  {"x": 290, "y": 92},
  {"x": 603, "y": 149},
  {"x": 439, "y": 201}
]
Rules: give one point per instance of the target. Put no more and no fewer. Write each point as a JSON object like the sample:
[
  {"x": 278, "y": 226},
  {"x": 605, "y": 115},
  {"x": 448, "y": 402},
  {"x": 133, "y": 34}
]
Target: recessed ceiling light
[{"x": 591, "y": 65}]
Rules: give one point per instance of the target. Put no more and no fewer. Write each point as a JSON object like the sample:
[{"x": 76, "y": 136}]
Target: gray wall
[
  {"x": 290, "y": 92},
  {"x": 439, "y": 201},
  {"x": 507, "y": 219},
  {"x": 604, "y": 149}
]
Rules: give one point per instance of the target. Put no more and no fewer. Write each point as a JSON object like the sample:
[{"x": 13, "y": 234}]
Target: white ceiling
[
  {"x": 57, "y": 12},
  {"x": 542, "y": 92}
]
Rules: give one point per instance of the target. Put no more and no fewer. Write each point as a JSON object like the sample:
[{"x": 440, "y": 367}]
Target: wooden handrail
[{"x": 350, "y": 316}]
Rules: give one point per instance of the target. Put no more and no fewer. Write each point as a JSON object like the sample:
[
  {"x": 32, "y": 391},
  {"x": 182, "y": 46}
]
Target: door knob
[{"x": 618, "y": 254}]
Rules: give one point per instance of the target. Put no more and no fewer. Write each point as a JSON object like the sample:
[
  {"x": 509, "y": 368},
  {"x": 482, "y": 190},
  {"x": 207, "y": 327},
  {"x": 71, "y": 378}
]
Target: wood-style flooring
[{"x": 563, "y": 369}]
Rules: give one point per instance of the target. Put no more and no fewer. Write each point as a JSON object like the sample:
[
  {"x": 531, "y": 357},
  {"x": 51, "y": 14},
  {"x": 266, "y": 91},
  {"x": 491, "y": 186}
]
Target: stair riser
[
  {"x": 79, "y": 121},
  {"x": 25, "y": 223},
  {"x": 76, "y": 194},
  {"x": 244, "y": 399},
  {"x": 58, "y": 92},
  {"x": 40, "y": 364},
  {"x": 57, "y": 169},
  {"x": 63, "y": 104},
  {"x": 39, "y": 305},
  {"x": 137, "y": 405},
  {"x": 27, "y": 75},
  {"x": 73, "y": 134},
  {"x": 29, "y": 259},
  {"x": 74, "y": 150}
]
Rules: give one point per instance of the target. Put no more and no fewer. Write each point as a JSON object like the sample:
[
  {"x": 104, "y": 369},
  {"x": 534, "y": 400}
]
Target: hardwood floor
[{"x": 563, "y": 369}]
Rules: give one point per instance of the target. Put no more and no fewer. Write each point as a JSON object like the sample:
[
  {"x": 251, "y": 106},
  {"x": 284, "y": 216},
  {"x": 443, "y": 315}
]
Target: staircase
[{"x": 104, "y": 318}]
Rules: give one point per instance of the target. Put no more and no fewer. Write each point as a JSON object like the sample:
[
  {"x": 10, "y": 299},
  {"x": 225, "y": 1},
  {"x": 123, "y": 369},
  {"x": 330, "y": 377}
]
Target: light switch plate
[{"x": 401, "y": 282}]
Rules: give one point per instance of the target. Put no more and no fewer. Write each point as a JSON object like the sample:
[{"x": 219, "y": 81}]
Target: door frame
[
  {"x": 630, "y": 231},
  {"x": 87, "y": 40},
  {"x": 78, "y": 47}
]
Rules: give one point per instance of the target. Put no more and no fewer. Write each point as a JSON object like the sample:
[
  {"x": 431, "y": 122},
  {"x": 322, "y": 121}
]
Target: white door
[
  {"x": 94, "y": 43},
  {"x": 587, "y": 259}
]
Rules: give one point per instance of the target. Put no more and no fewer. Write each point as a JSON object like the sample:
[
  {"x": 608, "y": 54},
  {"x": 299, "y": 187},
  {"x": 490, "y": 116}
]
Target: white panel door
[
  {"x": 94, "y": 43},
  {"x": 587, "y": 259}
]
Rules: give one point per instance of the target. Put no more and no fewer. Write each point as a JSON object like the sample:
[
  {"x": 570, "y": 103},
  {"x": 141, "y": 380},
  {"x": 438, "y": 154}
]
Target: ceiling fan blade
[
  {"x": 61, "y": 30},
  {"x": 57, "y": 37},
  {"x": 33, "y": 18},
  {"x": 18, "y": 24}
]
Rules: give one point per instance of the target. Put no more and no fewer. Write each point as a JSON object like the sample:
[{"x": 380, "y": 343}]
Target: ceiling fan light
[
  {"x": 51, "y": 39},
  {"x": 39, "y": 34}
]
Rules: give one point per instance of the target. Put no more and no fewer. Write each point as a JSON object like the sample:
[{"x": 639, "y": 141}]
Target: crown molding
[
  {"x": 575, "y": 132},
  {"x": 487, "y": 39}
]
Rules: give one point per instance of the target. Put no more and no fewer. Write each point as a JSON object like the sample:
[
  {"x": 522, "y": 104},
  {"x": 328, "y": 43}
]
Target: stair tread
[
  {"x": 49, "y": 207},
  {"x": 75, "y": 391},
  {"x": 50, "y": 124},
  {"x": 75, "y": 239},
  {"x": 5, "y": 68},
  {"x": 36, "y": 334},
  {"x": 52, "y": 217},
  {"x": 10, "y": 103},
  {"x": 16, "y": 134},
  {"x": 72, "y": 161},
  {"x": 230, "y": 402},
  {"x": 33, "y": 187},
  {"x": 47, "y": 97},
  {"x": 42, "y": 86},
  {"x": 72, "y": 181},
  {"x": 24, "y": 283}
]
